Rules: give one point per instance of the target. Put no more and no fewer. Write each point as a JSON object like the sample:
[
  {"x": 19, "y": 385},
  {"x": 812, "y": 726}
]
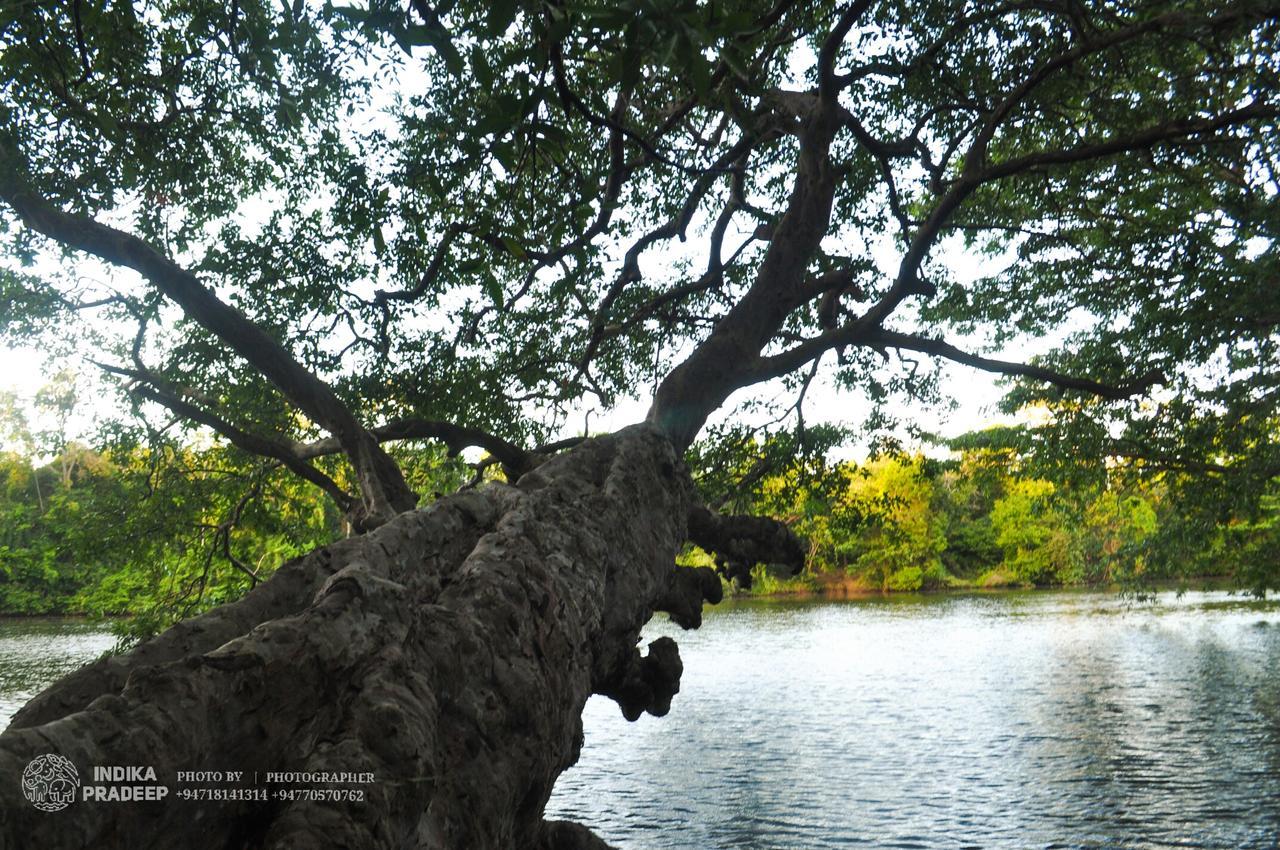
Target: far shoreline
[
  {"x": 839, "y": 587},
  {"x": 813, "y": 587}
]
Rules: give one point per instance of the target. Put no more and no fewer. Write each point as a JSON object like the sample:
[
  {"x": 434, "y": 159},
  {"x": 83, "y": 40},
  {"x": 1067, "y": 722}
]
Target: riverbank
[
  {"x": 808, "y": 586},
  {"x": 844, "y": 586}
]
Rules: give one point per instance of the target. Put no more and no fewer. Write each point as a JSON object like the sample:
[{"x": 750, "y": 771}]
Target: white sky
[
  {"x": 23, "y": 371},
  {"x": 975, "y": 394}
]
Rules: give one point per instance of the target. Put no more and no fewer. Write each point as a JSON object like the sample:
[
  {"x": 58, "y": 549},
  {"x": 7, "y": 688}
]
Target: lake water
[
  {"x": 1011, "y": 720},
  {"x": 1006, "y": 720},
  {"x": 36, "y": 651}
]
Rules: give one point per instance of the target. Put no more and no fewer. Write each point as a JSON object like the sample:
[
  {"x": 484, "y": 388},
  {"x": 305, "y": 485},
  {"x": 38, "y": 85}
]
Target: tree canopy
[
  {"x": 321, "y": 231},
  {"x": 318, "y": 228}
]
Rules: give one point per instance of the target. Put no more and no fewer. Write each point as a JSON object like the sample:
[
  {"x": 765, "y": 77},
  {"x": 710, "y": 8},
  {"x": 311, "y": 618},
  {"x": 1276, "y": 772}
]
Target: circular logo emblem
[{"x": 50, "y": 782}]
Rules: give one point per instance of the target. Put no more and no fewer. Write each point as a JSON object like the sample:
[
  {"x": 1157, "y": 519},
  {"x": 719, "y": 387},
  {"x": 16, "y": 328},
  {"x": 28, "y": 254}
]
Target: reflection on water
[
  {"x": 36, "y": 651},
  {"x": 1010, "y": 720},
  {"x": 1013, "y": 720}
]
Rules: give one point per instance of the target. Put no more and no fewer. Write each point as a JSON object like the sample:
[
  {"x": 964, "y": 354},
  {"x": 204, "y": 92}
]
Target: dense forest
[
  {"x": 160, "y": 530},
  {"x": 991, "y": 513},
  {"x": 163, "y": 531}
]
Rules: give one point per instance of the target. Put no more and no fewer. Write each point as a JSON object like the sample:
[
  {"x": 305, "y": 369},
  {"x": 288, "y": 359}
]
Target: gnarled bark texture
[{"x": 449, "y": 652}]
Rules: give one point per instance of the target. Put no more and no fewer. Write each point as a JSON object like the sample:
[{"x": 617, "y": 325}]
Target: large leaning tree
[{"x": 320, "y": 230}]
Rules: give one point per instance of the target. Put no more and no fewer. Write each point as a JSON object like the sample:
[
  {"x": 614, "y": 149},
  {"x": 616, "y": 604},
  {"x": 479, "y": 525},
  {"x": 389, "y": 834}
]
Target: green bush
[{"x": 907, "y": 578}]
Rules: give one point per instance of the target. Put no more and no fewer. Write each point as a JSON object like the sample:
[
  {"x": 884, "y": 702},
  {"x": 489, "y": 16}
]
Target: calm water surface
[
  {"x": 35, "y": 651},
  {"x": 1011, "y": 720}
]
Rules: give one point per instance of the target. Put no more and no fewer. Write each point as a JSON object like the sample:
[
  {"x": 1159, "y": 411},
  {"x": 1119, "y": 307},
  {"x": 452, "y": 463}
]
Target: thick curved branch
[
  {"x": 730, "y": 357},
  {"x": 381, "y": 482},
  {"x": 829, "y": 83},
  {"x": 739, "y": 542},
  {"x": 718, "y": 366},
  {"x": 515, "y": 460}
]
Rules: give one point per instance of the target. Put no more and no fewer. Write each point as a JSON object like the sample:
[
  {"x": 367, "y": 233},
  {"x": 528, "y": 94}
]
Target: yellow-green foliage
[
  {"x": 159, "y": 534},
  {"x": 1035, "y": 535},
  {"x": 905, "y": 538},
  {"x": 1115, "y": 527},
  {"x": 910, "y": 523},
  {"x": 826, "y": 517},
  {"x": 766, "y": 582},
  {"x": 693, "y": 556}
]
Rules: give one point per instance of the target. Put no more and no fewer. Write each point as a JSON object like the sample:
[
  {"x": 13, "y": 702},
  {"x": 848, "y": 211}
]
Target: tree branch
[
  {"x": 428, "y": 276},
  {"x": 613, "y": 123},
  {"x": 975, "y": 174},
  {"x": 828, "y": 82},
  {"x": 381, "y": 482},
  {"x": 854, "y": 334},
  {"x": 940, "y": 348},
  {"x": 153, "y": 388},
  {"x": 515, "y": 460},
  {"x": 676, "y": 226},
  {"x": 740, "y": 542},
  {"x": 720, "y": 364}
]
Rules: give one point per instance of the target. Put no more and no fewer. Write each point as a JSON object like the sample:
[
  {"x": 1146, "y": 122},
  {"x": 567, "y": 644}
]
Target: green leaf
[
  {"x": 434, "y": 36},
  {"x": 480, "y": 68},
  {"x": 502, "y": 13},
  {"x": 733, "y": 59},
  {"x": 494, "y": 290},
  {"x": 352, "y": 13},
  {"x": 513, "y": 247}
]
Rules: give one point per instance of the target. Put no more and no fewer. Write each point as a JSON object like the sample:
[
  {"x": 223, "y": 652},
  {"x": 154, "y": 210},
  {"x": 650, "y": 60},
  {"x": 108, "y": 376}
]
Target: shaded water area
[{"x": 1011, "y": 720}]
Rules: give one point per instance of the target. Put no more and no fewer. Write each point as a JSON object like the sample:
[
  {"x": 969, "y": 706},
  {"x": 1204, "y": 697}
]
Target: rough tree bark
[{"x": 449, "y": 652}]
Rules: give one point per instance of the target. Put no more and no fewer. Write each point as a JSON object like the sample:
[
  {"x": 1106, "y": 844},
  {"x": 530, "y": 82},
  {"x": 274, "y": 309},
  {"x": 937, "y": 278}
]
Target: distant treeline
[
  {"x": 162, "y": 534},
  {"x": 986, "y": 518}
]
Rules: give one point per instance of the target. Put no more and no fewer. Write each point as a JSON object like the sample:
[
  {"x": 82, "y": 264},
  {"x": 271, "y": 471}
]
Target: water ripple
[{"x": 1066, "y": 720}]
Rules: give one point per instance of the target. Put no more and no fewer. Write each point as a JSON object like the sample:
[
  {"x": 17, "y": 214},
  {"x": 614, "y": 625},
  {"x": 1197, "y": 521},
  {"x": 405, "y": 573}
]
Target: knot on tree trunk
[
  {"x": 740, "y": 542},
  {"x": 687, "y": 589},
  {"x": 646, "y": 683}
]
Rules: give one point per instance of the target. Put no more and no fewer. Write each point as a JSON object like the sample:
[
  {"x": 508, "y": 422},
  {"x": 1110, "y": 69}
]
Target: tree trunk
[{"x": 449, "y": 653}]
